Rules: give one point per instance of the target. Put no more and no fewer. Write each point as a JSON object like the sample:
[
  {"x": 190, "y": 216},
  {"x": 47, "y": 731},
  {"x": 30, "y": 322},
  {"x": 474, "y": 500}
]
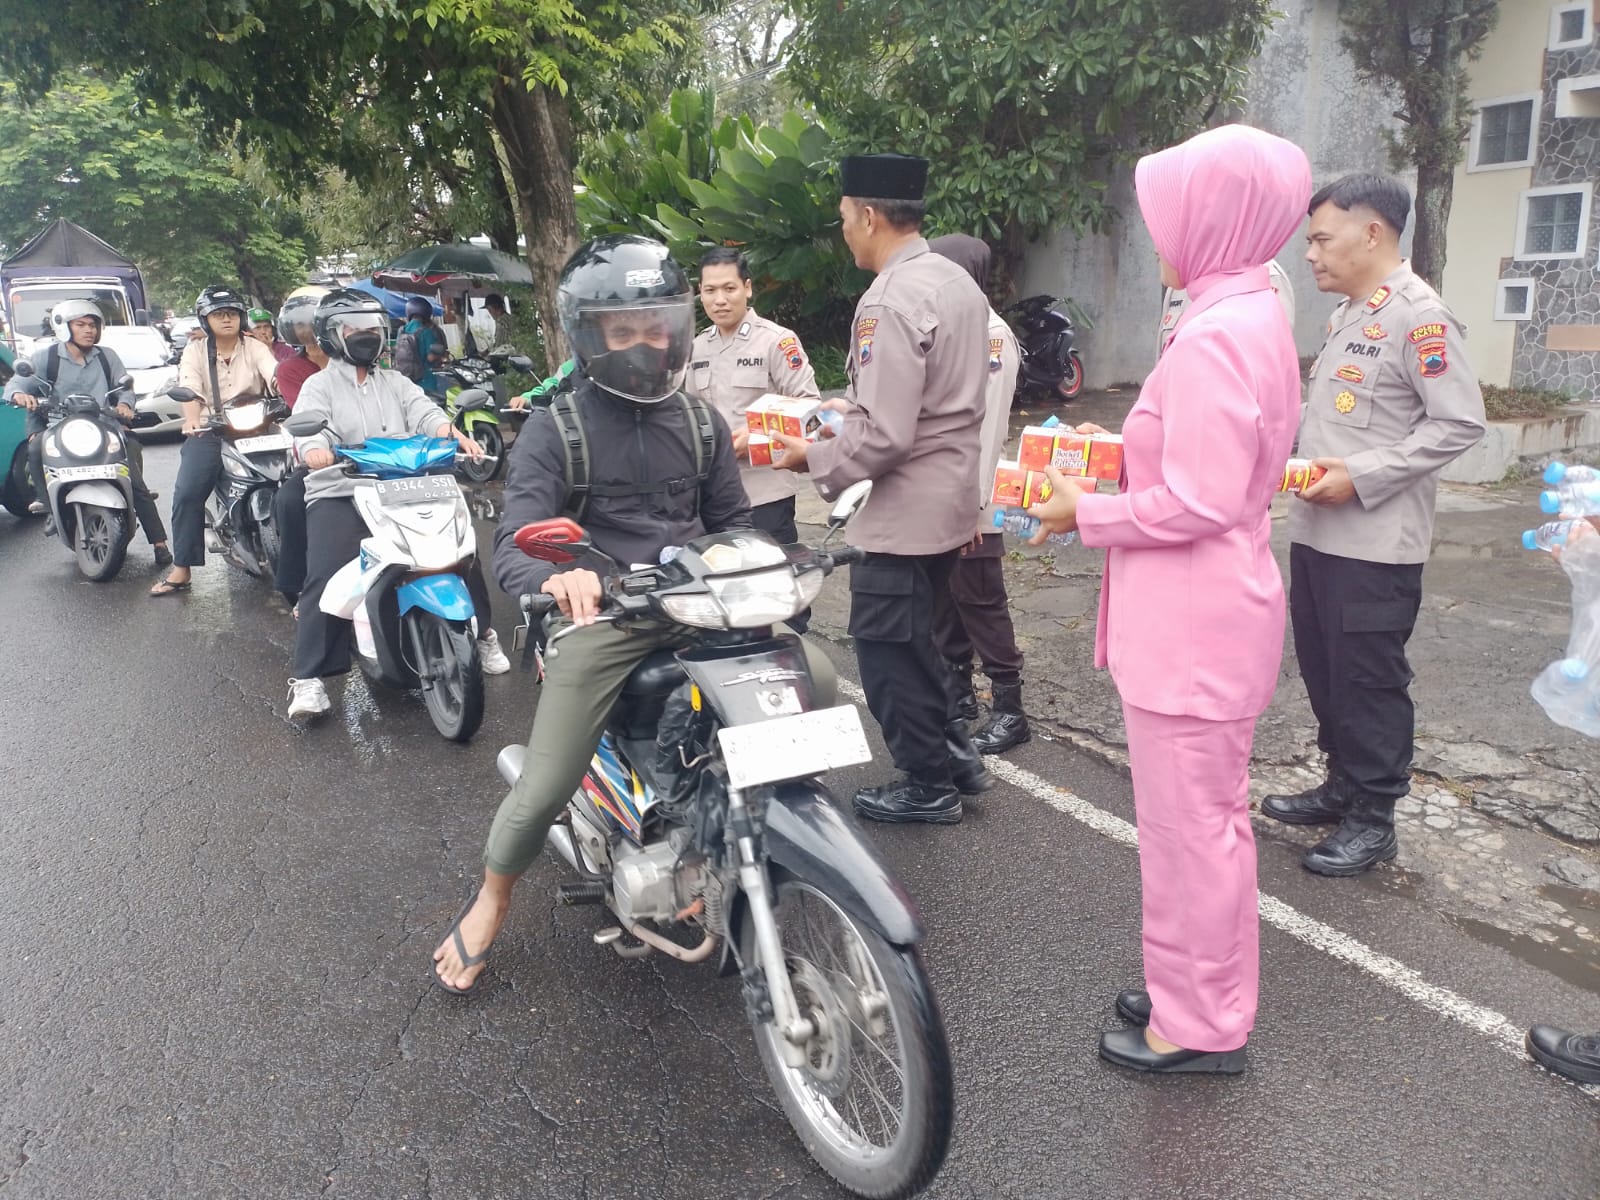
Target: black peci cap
[{"x": 884, "y": 176}]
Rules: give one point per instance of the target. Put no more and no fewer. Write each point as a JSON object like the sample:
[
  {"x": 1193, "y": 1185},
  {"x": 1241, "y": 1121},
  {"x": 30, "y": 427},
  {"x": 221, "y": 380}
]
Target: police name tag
[
  {"x": 794, "y": 747},
  {"x": 262, "y": 444},
  {"x": 422, "y": 489},
  {"x": 64, "y": 474}
]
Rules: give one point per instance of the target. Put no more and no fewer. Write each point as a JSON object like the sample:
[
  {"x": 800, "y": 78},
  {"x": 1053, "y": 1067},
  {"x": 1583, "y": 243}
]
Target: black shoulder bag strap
[{"x": 576, "y": 441}]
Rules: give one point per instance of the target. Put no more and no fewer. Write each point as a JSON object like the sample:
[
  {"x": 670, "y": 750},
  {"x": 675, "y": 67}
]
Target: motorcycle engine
[{"x": 649, "y": 883}]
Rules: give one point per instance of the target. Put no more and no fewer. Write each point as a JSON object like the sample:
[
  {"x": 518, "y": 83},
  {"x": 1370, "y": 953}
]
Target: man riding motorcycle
[
  {"x": 628, "y": 312},
  {"x": 359, "y": 400},
  {"x": 78, "y": 365}
]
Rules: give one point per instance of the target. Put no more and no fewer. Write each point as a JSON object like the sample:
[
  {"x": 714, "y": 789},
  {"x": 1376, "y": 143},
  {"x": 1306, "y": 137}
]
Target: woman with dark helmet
[
  {"x": 221, "y": 366},
  {"x": 289, "y": 505},
  {"x": 359, "y": 400}
]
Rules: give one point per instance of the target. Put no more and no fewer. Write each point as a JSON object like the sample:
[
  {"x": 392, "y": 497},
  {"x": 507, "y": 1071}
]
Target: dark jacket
[{"x": 638, "y": 444}]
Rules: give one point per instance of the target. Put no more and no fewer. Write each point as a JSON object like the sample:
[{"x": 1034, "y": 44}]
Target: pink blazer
[{"x": 1191, "y": 608}]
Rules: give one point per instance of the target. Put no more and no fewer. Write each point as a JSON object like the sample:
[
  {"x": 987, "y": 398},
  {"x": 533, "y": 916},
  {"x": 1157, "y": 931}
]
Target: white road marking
[{"x": 1319, "y": 936}]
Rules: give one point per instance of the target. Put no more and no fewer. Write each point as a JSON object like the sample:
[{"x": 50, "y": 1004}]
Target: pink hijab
[{"x": 1224, "y": 202}]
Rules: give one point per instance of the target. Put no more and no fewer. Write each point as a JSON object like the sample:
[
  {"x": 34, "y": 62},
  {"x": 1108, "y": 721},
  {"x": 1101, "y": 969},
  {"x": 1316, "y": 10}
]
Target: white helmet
[{"x": 68, "y": 311}]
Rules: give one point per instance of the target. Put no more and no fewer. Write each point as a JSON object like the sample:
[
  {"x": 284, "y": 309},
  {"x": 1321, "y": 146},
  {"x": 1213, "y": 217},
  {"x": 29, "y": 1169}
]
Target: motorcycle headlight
[
  {"x": 79, "y": 438},
  {"x": 746, "y": 601},
  {"x": 113, "y": 442},
  {"x": 245, "y": 417}
]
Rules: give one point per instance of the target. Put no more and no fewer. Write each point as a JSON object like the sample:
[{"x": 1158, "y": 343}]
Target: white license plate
[
  {"x": 794, "y": 747},
  {"x": 63, "y": 474},
  {"x": 260, "y": 445},
  {"x": 420, "y": 489}
]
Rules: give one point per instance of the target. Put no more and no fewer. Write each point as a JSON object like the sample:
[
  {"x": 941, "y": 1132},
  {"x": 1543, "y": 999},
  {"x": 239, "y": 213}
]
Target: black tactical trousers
[
  {"x": 1351, "y": 620},
  {"x": 974, "y": 614},
  {"x": 906, "y": 683}
]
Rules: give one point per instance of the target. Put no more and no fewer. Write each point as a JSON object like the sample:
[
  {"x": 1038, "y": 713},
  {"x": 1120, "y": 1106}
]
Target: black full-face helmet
[
  {"x": 295, "y": 318},
  {"x": 628, "y": 312},
  {"x": 352, "y": 326},
  {"x": 215, "y": 299}
]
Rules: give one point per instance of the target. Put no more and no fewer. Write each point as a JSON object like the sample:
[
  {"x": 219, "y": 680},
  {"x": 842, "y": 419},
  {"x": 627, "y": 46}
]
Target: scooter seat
[{"x": 657, "y": 675}]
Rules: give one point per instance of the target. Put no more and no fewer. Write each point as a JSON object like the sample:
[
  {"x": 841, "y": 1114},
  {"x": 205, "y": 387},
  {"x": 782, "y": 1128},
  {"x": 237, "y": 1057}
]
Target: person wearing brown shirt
[{"x": 919, "y": 355}]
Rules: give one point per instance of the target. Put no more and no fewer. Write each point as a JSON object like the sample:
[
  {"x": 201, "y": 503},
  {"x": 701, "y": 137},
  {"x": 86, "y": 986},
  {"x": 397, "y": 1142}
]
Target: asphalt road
[{"x": 216, "y": 932}]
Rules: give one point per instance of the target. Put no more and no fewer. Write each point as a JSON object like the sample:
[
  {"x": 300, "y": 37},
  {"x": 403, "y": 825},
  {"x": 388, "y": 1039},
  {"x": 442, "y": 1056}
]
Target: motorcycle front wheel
[
  {"x": 486, "y": 434},
  {"x": 1071, "y": 383},
  {"x": 446, "y": 658},
  {"x": 874, "y": 1103},
  {"x": 102, "y": 541}
]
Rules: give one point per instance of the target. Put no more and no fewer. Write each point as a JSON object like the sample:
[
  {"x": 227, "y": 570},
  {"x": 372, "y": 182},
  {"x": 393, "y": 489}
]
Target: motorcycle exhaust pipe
[{"x": 561, "y": 838}]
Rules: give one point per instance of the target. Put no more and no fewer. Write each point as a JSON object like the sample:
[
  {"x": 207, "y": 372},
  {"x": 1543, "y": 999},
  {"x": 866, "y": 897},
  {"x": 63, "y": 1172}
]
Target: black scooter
[
  {"x": 703, "y": 826},
  {"x": 1051, "y": 368},
  {"x": 86, "y": 473}
]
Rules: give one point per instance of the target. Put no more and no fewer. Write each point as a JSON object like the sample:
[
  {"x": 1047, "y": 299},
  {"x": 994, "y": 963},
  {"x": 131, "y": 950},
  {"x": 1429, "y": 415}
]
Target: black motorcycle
[
  {"x": 86, "y": 473},
  {"x": 1051, "y": 368},
  {"x": 255, "y": 462},
  {"x": 703, "y": 826}
]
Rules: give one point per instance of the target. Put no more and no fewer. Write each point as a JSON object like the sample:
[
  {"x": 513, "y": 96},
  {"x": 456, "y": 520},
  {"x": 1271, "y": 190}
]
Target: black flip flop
[
  {"x": 166, "y": 587},
  {"x": 467, "y": 960}
]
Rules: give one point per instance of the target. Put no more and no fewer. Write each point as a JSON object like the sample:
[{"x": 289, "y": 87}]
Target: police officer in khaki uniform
[
  {"x": 1392, "y": 399},
  {"x": 919, "y": 354},
  {"x": 740, "y": 358},
  {"x": 1175, "y": 300}
]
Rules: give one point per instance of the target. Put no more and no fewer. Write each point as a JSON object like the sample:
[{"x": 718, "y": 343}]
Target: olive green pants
[{"x": 581, "y": 684}]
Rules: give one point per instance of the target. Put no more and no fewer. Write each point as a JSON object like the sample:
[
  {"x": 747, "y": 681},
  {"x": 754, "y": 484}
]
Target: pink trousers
[{"x": 1197, "y": 862}]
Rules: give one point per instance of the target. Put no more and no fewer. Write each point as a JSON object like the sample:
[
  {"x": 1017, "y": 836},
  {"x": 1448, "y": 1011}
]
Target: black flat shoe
[
  {"x": 905, "y": 800},
  {"x": 1127, "y": 1048},
  {"x": 1134, "y": 1005},
  {"x": 1576, "y": 1056}
]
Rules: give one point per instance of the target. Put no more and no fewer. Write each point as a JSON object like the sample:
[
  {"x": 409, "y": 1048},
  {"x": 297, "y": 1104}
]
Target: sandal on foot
[
  {"x": 467, "y": 960},
  {"x": 167, "y": 586}
]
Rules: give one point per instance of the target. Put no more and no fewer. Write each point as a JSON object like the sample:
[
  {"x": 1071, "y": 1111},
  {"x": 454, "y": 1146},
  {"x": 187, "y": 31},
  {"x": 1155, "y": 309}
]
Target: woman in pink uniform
[{"x": 1192, "y": 608}]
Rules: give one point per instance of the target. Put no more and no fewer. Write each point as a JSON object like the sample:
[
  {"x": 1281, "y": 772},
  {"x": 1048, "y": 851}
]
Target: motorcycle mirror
[
  {"x": 472, "y": 398},
  {"x": 558, "y": 540},
  {"x": 141, "y": 317},
  {"x": 23, "y": 368},
  {"x": 305, "y": 425},
  {"x": 522, "y": 363},
  {"x": 183, "y": 395},
  {"x": 125, "y": 384},
  {"x": 849, "y": 503}
]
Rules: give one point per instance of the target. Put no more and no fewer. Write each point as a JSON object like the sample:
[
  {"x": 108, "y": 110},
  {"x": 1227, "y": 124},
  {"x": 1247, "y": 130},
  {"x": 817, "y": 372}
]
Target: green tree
[
  {"x": 134, "y": 174},
  {"x": 1420, "y": 49},
  {"x": 1024, "y": 107}
]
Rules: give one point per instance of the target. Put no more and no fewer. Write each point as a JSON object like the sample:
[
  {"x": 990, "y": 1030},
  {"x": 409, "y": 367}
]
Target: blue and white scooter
[{"x": 406, "y": 592}]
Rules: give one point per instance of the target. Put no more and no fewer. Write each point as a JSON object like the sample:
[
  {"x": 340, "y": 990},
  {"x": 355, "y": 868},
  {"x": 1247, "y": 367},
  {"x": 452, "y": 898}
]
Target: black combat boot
[
  {"x": 966, "y": 764},
  {"x": 961, "y": 684},
  {"x": 907, "y": 799},
  {"x": 1324, "y": 804},
  {"x": 1364, "y": 839},
  {"x": 1007, "y": 725}
]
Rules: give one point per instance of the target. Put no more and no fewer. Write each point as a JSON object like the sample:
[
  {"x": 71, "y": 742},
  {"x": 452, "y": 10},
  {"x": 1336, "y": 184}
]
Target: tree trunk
[
  {"x": 1434, "y": 102},
  {"x": 1435, "y": 191},
  {"x": 536, "y": 127}
]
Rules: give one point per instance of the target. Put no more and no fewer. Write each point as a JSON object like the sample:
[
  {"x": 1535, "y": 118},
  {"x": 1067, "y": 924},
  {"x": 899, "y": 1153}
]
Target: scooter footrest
[{"x": 585, "y": 892}]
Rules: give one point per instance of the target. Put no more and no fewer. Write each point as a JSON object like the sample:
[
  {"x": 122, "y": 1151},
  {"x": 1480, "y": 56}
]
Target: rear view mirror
[
  {"x": 23, "y": 368},
  {"x": 183, "y": 395},
  {"x": 124, "y": 384},
  {"x": 522, "y": 363},
  {"x": 473, "y": 398},
  {"x": 141, "y": 317},
  {"x": 558, "y": 540},
  {"x": 849, "y": 503},
  {"x": 305, "y": 425}
]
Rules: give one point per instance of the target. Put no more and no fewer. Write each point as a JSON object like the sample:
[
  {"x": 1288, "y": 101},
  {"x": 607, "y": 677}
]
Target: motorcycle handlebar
[{"x": 844, "y": 556}]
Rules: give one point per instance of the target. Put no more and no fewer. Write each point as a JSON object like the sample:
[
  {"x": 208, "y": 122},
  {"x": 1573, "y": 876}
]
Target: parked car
[{"x": 145, "y": 353}]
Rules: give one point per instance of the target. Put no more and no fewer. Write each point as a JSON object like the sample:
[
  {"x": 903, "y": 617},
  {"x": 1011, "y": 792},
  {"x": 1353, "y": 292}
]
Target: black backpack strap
[
  {"x": 52, "y": 365},
  {"x": 703, "y": 431},
  {"x": 105, "y": 369},
  {"x": 565, "y": 414}
]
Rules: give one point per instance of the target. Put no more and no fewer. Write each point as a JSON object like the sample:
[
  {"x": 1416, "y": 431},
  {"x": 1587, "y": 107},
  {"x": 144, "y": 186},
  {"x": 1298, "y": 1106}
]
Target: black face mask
[
  {"x": 362, "y": 346},
  {"x": 642, "y": 372}
]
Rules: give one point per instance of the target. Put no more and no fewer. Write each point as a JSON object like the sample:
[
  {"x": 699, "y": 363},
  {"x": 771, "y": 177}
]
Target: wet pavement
[{"x": 216, "y": 933}]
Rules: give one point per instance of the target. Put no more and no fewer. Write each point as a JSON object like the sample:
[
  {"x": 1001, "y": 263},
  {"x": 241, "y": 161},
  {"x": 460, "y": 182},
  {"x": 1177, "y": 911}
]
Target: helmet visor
[{"x": 638, "y": 350}]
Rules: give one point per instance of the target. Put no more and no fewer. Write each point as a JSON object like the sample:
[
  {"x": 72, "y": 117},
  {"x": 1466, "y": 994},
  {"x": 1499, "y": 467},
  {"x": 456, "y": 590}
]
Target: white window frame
[
  {"x": 1477, "y": 131},
  {"x": 1555, "y": 26},
  {"x": 1501, "y": 312},
  {"x": 1587, "y": 189},
  {"x": 1581, "y": 85}
]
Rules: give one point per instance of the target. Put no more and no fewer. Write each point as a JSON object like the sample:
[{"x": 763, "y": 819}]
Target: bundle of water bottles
[{"x": 1569, "y": 689}]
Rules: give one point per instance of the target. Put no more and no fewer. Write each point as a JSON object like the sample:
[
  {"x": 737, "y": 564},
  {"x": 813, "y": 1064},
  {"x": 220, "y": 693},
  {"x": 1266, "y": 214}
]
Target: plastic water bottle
[
  {"x": 1018, "y": 523},
  {"x": 1567, "y": 688},
  {"x": 1572, "y": 499},
  {"x": 833, "y": 420},
  {"x": 1050, "y": 422},
  {"x": 1559, "y": 472},
  {"x": 1552, "y": 535}
]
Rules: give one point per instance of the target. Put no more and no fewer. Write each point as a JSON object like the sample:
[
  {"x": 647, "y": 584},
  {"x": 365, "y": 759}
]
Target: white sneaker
[
  {"x": 491, "y": 658},
  {"x": 307, "y": 698},
  {"x": 35, "y": 507}
]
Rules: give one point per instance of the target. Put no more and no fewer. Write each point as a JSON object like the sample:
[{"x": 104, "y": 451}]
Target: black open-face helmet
[
  {"x": 216, "y": 298},
  {"x": 419, "y": 309},
  {"x": 352, "y": 326},
  {"x": 628, "y": 312}
]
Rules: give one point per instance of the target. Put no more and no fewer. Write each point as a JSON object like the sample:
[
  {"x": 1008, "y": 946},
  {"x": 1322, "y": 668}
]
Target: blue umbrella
[{"x": 393, "y": 302}]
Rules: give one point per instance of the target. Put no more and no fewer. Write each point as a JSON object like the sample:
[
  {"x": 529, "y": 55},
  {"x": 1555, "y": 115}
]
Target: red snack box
[
  {"x": 763, "y": 451},
  {"x": 796, "y": 416},
  {"x": 1017, "y": 487},
  {"x": 1092, "y": 455},
  {"x": 1299, "y": 474}
]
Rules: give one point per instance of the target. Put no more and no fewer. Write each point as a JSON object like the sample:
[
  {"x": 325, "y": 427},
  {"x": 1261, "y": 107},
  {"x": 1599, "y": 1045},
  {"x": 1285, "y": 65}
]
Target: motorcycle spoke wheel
[
  {"x": 873, "y": 1102},
  {"x": 102, "y": 542},
  {"x": 446, "y": 658},
  {"x": 488, "y": 436}
]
